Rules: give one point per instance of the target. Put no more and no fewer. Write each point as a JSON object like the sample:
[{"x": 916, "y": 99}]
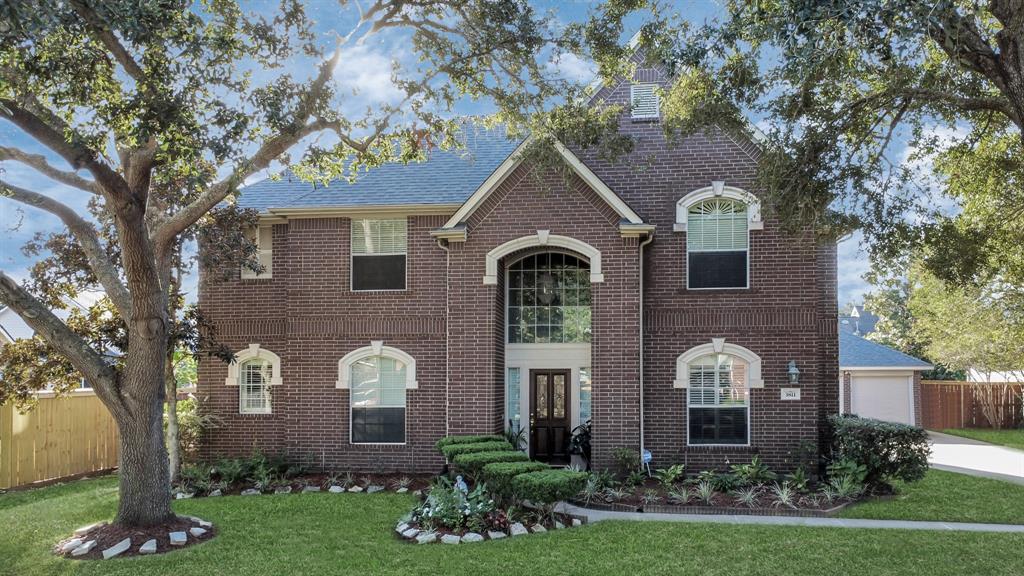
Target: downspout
[
  {"x": 650, "y": 238},
  {"x": 447, "y": 338}
]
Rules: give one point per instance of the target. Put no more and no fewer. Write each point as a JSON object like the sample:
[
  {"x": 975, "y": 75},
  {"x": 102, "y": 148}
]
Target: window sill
[
  {"x": 716, "y": 291},
  {"x": 716, "y": 448}
]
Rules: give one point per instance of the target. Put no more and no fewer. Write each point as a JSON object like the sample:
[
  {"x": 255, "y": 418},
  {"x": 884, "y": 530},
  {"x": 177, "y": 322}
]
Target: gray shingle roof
[
  {"x": 856, "y": 352},
  {"x": 447, "y": 177}
]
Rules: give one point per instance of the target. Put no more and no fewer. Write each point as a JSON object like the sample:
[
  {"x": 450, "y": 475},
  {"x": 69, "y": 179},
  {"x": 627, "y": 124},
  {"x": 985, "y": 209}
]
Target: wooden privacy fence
[
  {"x": 947, "y": 404},
  {"x": 59, "y": 436}
]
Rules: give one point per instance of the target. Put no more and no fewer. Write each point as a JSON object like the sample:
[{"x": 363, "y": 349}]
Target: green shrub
[
  {"x": 499, "y": 475},
  {"x": 473, "y": 462},
  {"x": 887, "y": 450},
  {"x": 449, "y": 440},
  {"x": 545, "y": 488},
  {"x": 453, "y": 450}
]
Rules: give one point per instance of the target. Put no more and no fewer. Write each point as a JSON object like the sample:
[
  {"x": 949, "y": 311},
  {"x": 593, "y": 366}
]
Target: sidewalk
[
  {"x": 968, "y": 456},
  {"x": 599, "y": 515}
]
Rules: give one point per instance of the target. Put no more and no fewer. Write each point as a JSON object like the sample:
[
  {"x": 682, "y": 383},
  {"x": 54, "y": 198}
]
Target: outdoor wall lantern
[{"x": 794, "y": 373}]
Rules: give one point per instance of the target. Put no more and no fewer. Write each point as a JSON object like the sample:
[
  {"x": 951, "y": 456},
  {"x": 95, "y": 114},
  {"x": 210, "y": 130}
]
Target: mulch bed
[
  {"x": 108, "y": 535},
  {"x": 711, "y": 510}
]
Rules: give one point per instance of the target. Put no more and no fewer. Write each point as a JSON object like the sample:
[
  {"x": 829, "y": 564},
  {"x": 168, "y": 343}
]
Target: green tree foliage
[
  {"x": 840, "y": 86},
  {"x": 159, "y": 111}
]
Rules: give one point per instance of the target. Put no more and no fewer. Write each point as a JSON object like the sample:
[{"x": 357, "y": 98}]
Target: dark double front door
[{"x": 549, "y": 416}]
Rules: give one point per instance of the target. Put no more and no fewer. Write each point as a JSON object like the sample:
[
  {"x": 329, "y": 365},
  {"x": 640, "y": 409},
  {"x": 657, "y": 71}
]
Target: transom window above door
[{"x": 548, "y": 299}]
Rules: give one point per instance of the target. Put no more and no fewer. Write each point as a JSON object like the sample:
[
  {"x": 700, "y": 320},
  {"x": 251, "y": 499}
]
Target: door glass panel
[
  {"x": 542, "y": 396},
  {"x": 559, "y": 395}
]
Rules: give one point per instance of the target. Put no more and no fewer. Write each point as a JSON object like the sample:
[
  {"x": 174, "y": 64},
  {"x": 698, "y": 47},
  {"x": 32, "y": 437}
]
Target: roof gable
[{"x": 455, "y": 227}]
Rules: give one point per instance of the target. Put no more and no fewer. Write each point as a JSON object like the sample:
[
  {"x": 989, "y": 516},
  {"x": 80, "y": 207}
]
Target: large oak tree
[{"x": 129, "y": 95}]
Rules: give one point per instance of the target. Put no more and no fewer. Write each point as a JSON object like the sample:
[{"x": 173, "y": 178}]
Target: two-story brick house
[{"x": 473, "y": 292}]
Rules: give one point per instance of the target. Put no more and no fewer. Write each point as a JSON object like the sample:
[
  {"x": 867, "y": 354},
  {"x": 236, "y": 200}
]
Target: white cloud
[
  {"x": 366, "y": 71},
  {"x": 571, "y": 67}
]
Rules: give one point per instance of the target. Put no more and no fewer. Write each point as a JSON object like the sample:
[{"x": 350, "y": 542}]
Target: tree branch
[
  {"x": 103, "y": 33},
  {"x": 84, "y": 232},
  {"x": 101, "y": 375},
  {"x": 39, "y": 163}
]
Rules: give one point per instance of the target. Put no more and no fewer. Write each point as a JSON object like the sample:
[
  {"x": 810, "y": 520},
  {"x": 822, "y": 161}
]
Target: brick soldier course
[{"x": 453, "y": 323}]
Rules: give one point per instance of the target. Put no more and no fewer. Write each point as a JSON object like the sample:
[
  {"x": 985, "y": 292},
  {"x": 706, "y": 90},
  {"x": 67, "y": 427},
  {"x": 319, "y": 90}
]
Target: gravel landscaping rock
[
  {"x": 184, "y": 495},
  {"x": 373, "y": 489},
  {"x": 149, "y": 547},
  {"x": 118, "y": 548},
  {"x": 197, "y": 532},
  {"x": 250, "y": 492},
  {"x": 576, "y": 522},
  {"x": 178, "y": 538},
  {"x": 311, "y": 489},
  {"x": 402, "y": 527},
  {"x": 559, "y": 525},
  {"x": 283, "y": 490},
  {"x": 517, "y": 529},
  {"x": 336, "y": 489},
  {"x": 495, "y": 535},
  {"x": 473, "y": 537},
  {"x": 450, "y": 539},
  {"x": 356, "y": 489},
  {"x": 537, "y": 529},
  {"x": 215, "y": 493},
  {"x": 84, "y": 548},
  {"x": 426, "y": 538},
  {"x": 402, "y": 490},
  {"x": 71, "y": 545}
]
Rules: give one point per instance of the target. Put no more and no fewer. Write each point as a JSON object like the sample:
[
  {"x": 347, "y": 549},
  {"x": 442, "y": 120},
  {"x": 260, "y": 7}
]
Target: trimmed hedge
[
  {"x": 473, "y": 462},
  {"x": 499, "y": 475},
  {"x": 448, "y": 440},
  {"x": 548, "y": 486},
  {"x": 452, "y": 450},
  {"x": 888, "y": 450}
]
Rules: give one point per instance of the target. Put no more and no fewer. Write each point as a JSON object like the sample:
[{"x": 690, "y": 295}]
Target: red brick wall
[{"x": 308, "y": 316}]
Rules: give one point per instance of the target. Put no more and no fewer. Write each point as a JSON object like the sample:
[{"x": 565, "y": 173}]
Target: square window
[{"x": 379, "y": 254}]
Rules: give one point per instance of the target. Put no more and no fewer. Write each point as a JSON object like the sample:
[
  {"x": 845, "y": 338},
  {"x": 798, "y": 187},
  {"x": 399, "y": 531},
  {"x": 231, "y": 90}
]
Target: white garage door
[{"x": 882, "y": 397}]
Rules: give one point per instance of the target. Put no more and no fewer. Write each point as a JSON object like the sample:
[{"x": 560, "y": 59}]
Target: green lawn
[
  {"x": 327, "y": 534},
  {"x": 948, "y": 497},
  {"x": 1011, "y": 438}
]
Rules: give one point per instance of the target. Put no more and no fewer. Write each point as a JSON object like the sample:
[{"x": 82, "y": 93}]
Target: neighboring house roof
[
  {"x": 857, "y": 352},
  {"x": 446, "y": 178},
  {"x": 859, "y": 321}
]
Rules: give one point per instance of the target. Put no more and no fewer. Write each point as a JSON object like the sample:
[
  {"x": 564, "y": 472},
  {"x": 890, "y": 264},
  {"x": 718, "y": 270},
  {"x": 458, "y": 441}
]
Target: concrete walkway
[
  {"x": 599, "y": 515},
  {"x": 976, "y": 458}
]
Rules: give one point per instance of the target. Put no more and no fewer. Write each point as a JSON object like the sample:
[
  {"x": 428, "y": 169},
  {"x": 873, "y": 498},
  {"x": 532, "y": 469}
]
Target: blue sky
[{"x": 366, "y": 69}]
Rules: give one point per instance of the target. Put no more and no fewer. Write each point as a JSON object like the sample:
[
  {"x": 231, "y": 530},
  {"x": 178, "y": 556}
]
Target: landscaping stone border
[
  {"x": 710, "y": 510},
  {"x": 412, "y": 534}
]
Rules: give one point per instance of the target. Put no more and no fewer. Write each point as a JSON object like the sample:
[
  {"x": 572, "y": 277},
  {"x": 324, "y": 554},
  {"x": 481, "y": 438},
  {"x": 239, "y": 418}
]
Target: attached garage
[{"x": 878, "y": 381}]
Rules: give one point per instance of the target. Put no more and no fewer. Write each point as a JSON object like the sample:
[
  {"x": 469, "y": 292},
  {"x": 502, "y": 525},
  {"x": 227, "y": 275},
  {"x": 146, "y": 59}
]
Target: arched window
[
  {"x": 716, "y": 244},
  {"x": 255, "y": 370},
  {"x": 548, "y": 299},
  {"x": 718, "y": 378},
  {"x": 717, "y": 221},
  {"x": 377, "y": 378}
]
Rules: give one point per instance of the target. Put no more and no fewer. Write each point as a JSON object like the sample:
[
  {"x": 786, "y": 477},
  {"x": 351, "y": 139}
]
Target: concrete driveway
[{"x": 976, "y": 458}]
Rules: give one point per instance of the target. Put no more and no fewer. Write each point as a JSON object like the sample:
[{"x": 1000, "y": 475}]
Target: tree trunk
[{"x": 173, "y": 440}]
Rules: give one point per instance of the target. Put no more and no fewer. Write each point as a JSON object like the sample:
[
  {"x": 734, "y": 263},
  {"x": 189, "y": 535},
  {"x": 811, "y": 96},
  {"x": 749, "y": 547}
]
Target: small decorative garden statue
[{"x": 461, "y": 485}]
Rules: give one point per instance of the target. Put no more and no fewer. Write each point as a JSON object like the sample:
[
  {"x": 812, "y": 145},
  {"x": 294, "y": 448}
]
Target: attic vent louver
[{"x": 644, "y": 100}]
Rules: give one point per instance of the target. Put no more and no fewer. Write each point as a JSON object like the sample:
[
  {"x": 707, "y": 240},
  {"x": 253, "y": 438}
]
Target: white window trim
[
  {"x": 254, "y": 351},
  {"x": 376, "y": 348},
  {"x": 633, "y": 97},
  {"x": 718, "y": 189},
  {"x": 261, "y": 251},
  {"x": 718, "y": 346},
  {"x": 542, "y": 238},
  {"x": 352, "y": 256}
]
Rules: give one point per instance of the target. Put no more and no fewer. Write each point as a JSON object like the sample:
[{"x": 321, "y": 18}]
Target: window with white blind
[
  {"x": 254, "y": 386},
  {"x": 263, "y": 238},
  {"x": 379, "y": 249},
  {"x": 377, "y": 393},
  {"x": 716, "y": 244},
  {"x": 644, "y": 101},
  {"x": 718, "y": 400}
]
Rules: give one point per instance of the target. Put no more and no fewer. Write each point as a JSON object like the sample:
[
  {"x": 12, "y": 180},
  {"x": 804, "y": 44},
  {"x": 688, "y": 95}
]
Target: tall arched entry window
[{"x": 548, "y": 299}]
